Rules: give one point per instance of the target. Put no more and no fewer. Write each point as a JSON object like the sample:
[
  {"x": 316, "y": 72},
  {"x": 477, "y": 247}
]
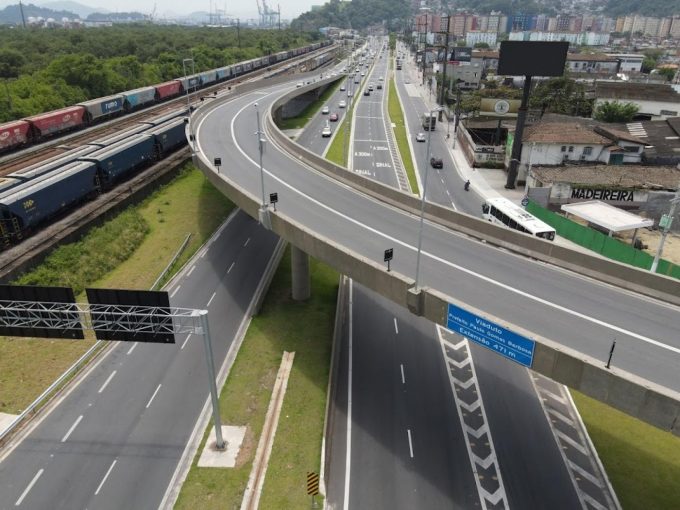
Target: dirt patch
[
  {"x": 651, "y": 238},
  {"x": 247, "y": 451}
]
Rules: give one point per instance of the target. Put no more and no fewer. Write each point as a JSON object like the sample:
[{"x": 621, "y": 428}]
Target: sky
[{"x": 244, "y": 8}]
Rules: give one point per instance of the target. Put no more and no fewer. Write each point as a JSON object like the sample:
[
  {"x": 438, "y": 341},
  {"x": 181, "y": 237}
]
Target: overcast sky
[{"x": 243, "y": 8}]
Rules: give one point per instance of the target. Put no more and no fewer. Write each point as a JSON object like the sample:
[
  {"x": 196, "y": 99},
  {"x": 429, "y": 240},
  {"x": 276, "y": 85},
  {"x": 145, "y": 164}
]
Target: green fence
[{"x": 600, "y": 243}]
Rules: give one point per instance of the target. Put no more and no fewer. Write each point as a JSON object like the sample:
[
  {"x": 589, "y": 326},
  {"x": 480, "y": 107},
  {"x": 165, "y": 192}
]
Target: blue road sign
[{"x": 490, "y": 335}]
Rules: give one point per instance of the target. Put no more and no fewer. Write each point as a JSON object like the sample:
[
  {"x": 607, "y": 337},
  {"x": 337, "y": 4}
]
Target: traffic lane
[
  {"x": 394, "y": 226},
  {"x": 534, "y": 473},
  {"x": 311, "y": 137},
  {"x": 406, "y": 433},
  {"x": 87, "y": 449},
  {"x": 347, "y": 211}
]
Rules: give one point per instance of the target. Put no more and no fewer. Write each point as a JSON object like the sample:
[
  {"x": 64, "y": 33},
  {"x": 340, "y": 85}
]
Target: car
[
  {"x": 298, "y": 85},
  {"x": 325, "y": 110},
  {"x": 420, "y": 137},
  {"x": 363, "y": 74},
  {"x": 356, "y": 81},
  {"x": 342, "y": 104},
  {"x": 370, "y": 87},
  {"x": 380, "y": 79},
  {"x": 436, "y": 162},
  {"x": 349, "y": 93},
  {"x": 379, "y": 86},
  {"x": 326, "y": 132},
  {"x": 367, "y": 92},
  {"x": 333, "y": 117},
  {"x": 342, "y": 88}
]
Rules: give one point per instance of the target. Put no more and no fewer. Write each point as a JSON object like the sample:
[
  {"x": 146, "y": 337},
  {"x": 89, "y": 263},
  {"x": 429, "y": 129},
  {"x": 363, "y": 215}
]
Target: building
[
  {"x": 578, "y": 38},
  {"x": 467, "y": 75},
  {"x": 596, "y": 63},
  {"x": 475, "y": 36},
  {"x": 628, "y": 62},
  {"x": 654, "y": 101}
]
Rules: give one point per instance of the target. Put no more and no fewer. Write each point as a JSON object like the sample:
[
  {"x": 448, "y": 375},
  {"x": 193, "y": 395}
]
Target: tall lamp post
[
  {"x": 186, "y": 80},
  {"x": 667, "y": 220},
  {"x": 260, "y": 141},
  {"x": 422, "y": 202}
]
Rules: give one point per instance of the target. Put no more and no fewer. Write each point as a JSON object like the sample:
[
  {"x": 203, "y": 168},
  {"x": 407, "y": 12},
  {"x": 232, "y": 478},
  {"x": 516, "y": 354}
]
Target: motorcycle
[{"x": 466, "y": 186}]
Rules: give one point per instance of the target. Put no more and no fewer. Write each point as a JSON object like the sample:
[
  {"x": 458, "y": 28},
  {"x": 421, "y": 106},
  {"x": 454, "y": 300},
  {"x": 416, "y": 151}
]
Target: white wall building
[{"x": 476, "y": 36}]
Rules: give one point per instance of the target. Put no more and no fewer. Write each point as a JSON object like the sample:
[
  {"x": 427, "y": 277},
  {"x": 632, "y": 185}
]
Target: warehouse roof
[
  {"x": 632, "y": 91},
  {"x": 624, "y": 176},
  {"x": 607, "y": 216}
]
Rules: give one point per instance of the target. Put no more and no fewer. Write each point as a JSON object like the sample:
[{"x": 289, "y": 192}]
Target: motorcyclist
[{"x": 467, "y": 185}]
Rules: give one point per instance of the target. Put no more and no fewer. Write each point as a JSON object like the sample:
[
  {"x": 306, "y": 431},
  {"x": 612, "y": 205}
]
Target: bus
[
  {"x": 504, "y": 212},
  {"x": 429, "y": 121}
]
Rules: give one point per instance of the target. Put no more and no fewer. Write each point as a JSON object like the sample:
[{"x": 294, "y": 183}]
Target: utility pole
[
  {"x": 666, "y": 227},
  {"x": 238, "y": 31},
  {"x": 446, "y": 61},
  {"x": 23, "y": 18}
]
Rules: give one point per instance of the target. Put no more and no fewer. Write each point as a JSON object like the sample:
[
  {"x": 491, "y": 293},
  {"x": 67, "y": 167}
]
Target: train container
[
  {"x": 33, "y": 202},
  {"x": 280, "y": 56},
  {"x": 190, "y": 83},
  {"x": 8, "y": 182},
  {"x": 223, "y": 73},
  {"x": 103, "y": 106},
  {"x": 37, "y": 169},
  {"x": 168, "y": 89},
  {"x": 208, "y": 77},
  {"x": 118, "y": 161},
  {"x": 56, "y": 122},
  {"x": 238, "y": 69},
  {"x": 169, "y": 136},
  {"x": 138, "y": 98},
  {"x": 109, "y": 140},
  {"x": 157, "y": 121},
  {"x": 247, "y": 66},
  {"x": 14, "y": 134}
]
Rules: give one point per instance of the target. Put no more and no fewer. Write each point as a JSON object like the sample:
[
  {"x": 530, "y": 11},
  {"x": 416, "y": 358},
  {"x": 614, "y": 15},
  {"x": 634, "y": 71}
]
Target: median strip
[{"x": 396, "y": 115}]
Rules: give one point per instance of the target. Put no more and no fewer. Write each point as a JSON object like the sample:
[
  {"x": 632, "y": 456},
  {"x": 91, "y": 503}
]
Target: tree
[
  {"x": 615, "y": 111},
  {"x": 668, "y": 73},
  {"x": 482, "y": 45},
  {"x": 561, "y": 95}
]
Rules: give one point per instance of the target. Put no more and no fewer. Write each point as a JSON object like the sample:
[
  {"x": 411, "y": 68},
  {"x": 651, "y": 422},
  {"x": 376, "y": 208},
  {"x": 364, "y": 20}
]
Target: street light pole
[
  {"x": 666, "y": 228},
  {"x": 422, "y": 202},
  {"x": 186, "y": 80},
  {"x": 260, "y": 142}
]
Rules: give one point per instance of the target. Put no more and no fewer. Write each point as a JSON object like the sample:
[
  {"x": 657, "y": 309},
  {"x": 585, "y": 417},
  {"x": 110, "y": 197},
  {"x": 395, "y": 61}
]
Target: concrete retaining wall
[{"x": 633, "y": 395}]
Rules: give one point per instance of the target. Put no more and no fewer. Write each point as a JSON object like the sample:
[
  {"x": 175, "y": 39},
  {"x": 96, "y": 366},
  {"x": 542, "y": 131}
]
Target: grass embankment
[
  {"x": 306, "y": 115},
  {"x": 305, "y": 328},
  {"x": 128, "y": 251},
  {"x": 643, "y": 462},
  {"x": 397, "y": 118}
]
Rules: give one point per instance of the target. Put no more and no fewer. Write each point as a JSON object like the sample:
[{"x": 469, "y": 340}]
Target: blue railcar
[
  {"x": 169, "y": 137},
  {"x": 37, "y": 169},
  {"x": 9, "y": 182},
  {"x": 208, "y": 77},
  {"x": 190, "y": 83},
  {"x": 138, "y": 97},
  {"x": 103, "y": 106},
  {"x": 117, "y": 161},
  {"x": 157, "y": 121},
  {"x": 109, "y": 140},
  {"x": 223, "y": 73},
  {"x": 29, "y": 204}
]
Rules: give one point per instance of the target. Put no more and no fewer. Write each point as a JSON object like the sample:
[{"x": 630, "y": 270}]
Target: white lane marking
[
  {"x": 73, "y": 427},
  {"x": 211, "y": 298},
  {"x": 175, "y": 291},
  {"x": 231, "y": 267},
  {"x": 348, "y": 446},
  {"x": 191, "y": 270},
  {"x": 185, "y": 341},
  {"x": 101, "y": 484},
  {"x": 410, "y": 442},
  {"x": 153, "y": 396},
  {"x": 396, "y": 328},
  {"x": 30, "y": 486},
  {"x": 430, "y": 255},
  {"x": 403, "y": 378},
  {"x": 246, "y": 243},
  {"x": 132, "y": 348},
  {"x": 106, "y": 383}
]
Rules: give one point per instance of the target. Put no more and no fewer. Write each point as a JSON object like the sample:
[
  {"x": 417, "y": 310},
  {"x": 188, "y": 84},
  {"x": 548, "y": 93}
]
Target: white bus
[{"x": 505, "y": 212}]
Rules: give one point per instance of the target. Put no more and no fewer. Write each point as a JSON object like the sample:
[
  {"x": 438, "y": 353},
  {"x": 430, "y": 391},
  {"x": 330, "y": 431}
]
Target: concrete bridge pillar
[{"x": 299, "y": 262}]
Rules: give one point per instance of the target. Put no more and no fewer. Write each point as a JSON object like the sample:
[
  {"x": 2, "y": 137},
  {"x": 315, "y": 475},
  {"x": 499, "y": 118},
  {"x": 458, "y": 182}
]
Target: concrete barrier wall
[
  {"x": 622, "y": 275},
  {"x": 633, "y": 395}
]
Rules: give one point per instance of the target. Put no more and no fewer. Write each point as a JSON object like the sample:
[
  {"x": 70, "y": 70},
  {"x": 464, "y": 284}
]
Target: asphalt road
[
  {"x": 115, "y": 440},
  {"x": 570, "y": 309}
]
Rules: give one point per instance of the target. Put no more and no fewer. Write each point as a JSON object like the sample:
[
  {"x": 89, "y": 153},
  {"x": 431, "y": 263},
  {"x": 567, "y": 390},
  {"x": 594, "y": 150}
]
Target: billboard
[
  {"x": 491, "y": 107},
  {"x": 532, "y": 58}
]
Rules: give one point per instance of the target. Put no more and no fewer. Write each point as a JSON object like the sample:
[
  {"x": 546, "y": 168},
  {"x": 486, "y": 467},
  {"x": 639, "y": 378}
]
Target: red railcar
[
  {"x": 13, "y": 134},
  {"x": 58, "y": 121},
  {"x": 168, "y": 89}
]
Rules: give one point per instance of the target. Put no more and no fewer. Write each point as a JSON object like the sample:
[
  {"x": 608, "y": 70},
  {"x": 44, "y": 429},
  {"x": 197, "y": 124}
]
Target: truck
[{"x": 429, "y": 121}]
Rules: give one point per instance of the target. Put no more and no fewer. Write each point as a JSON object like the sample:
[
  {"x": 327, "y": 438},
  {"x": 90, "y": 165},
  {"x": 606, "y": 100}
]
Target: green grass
[
  {"x": 643, "y": 462},
  {"x": 336, "y": 152},
  {"x": 129, "y": 251},
  {"x": 397, "y": 117},
  {"x": 306, "y": 115},
  {"x": 305, "y": 328}
]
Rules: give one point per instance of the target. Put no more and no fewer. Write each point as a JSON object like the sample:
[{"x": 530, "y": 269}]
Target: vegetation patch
[
  {"x": 397, "y": 117},
  {"x": 134, "y": 247},
  {"x": 643, "y": 462},
  {"x": 306, "y": 115},
  {"x": 283, "y": 325}
]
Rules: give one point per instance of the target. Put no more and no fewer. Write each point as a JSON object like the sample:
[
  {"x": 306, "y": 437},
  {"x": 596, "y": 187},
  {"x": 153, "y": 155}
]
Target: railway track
[{"x": 57, "y": 146}]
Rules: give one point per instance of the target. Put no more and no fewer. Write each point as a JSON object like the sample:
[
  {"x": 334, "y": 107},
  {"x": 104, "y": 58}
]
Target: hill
[
  {"x": 356, "y": 14},
  {"x": 66, "y": 5},
  {"x": 11, "y": 15}
]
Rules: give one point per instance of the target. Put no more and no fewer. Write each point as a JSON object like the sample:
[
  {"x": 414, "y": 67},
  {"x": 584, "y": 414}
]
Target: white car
[
  {"x": 342, "y": 88},
  {"x": 342, "y": 104},
  {"x": 326, "y": 131},
  {"x": 349, "y": 93},
  {"x": 299, "y": 84},
  {"x": 325, "y": 110},
  {"x": 363, "y": 74},
  {"x": 420, "y": 137}
]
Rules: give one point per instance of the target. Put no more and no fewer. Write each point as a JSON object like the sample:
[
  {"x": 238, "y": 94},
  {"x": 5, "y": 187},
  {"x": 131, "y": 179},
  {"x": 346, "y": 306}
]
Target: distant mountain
[
  {"x": 356, "y": 14},
  {"x": 11, "y": 15},
  {"x": 66, "y": 5}
]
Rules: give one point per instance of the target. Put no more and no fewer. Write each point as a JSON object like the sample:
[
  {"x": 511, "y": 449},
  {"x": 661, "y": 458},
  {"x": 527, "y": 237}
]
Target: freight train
[{"x": 37, "y": 128}]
